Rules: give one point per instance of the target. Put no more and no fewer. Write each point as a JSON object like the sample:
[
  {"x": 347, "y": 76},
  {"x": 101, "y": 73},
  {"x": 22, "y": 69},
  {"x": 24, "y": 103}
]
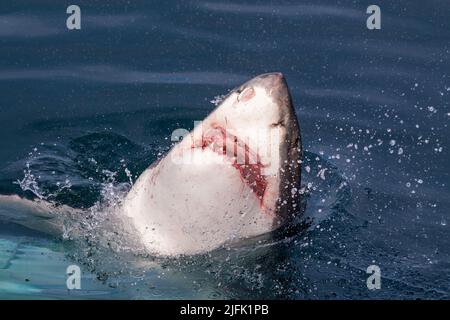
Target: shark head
[
  {"x": 236, "y": 175},
  {"x": 256, "y": 127}
]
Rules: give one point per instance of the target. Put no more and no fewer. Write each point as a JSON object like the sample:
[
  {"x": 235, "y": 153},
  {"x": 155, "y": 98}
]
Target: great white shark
[{"x": 236, "y": 175}]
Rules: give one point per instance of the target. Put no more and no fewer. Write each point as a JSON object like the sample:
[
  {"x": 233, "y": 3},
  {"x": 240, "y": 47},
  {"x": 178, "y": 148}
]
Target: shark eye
[{"x": 246, "y": 94}]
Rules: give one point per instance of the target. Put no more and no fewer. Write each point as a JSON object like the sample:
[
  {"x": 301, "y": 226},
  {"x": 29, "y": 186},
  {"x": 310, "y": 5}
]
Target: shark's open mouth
[{"x": 238, "y": 153}]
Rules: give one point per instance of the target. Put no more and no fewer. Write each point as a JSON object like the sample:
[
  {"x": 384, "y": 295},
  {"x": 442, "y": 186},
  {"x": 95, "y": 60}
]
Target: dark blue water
[{"x": 80, "y": 109}]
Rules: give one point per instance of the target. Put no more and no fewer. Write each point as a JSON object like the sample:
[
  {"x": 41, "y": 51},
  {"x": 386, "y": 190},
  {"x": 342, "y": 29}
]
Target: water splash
[
  {"x": 100, "y": 238},
  {"x": 217, "y": 100},
  {"x": 29, "y": 183}
]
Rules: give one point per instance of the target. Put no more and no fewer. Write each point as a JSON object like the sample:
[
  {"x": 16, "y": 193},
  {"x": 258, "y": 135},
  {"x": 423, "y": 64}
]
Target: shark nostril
[{"x": 246, "y": 95}]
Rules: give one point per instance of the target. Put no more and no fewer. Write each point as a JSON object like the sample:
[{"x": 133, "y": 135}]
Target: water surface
[{"x": 83, "y": 111}]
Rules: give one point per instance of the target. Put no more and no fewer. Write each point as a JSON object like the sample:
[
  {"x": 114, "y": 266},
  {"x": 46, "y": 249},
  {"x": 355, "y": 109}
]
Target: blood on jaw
[{"x": 220, "y": 141}]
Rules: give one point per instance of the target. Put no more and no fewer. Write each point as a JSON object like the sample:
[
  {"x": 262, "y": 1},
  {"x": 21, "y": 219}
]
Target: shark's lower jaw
[{"x": 238, "y": 154}]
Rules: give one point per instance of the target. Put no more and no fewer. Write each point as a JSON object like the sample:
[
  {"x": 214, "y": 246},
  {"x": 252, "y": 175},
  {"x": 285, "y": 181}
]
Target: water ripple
[
  {"x": 283, "y": 10},
  {"x": 111, "y": 74}
]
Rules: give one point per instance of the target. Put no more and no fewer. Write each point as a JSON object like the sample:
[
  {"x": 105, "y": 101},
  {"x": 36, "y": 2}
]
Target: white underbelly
[{"x": 194, "y": 207}]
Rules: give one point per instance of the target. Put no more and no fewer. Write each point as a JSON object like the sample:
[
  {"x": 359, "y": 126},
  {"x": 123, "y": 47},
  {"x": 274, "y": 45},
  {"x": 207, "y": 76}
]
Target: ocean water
[{"x": 84, "y": 112}]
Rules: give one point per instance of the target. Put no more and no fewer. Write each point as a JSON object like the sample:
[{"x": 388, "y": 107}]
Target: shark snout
[
  {"x": 274, "y": 84},
  {"x": 269, "y": 81}
]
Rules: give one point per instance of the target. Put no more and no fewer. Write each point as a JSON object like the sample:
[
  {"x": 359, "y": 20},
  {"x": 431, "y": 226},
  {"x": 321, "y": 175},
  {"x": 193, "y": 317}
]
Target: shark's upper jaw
[{"x": 252, "y": 129}]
